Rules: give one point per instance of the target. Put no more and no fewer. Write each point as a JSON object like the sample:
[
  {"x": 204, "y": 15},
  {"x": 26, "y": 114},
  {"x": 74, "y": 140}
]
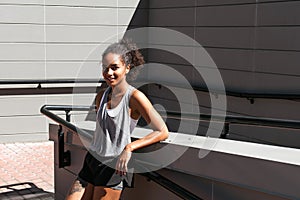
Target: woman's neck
[{"x": 119, "y": 89}]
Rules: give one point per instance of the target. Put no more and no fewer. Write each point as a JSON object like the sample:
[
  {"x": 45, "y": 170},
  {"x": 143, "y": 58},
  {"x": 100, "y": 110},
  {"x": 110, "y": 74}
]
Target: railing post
[
  {"x": 64, "y": 157},
  {"x": 68, "y": 116},
  {"x": 225, "y": 131}
]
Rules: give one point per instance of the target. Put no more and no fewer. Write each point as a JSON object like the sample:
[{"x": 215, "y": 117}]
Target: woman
[{"x": 118, "y": 109}]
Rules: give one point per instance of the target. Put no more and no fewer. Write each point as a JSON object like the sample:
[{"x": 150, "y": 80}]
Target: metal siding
[
  {"x": 21, "y": 69},
  {"x": 274, "y": 14},
  {"x": 167, "y": 17},
  {"x": 21, "y": 33},
  {"x": 222, "y": 2},
  {"x": 22, "y": 52},
  {"x": 171, "y": 3},
  {"x": 22, "y": 14},
  {"x": 53, "y": 39},
  {"x": 232, "y": 15}
]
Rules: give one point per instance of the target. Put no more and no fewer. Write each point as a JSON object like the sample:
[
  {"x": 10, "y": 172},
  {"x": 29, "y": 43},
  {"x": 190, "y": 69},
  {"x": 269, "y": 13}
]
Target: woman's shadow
[{"x": 26, "y": 190}]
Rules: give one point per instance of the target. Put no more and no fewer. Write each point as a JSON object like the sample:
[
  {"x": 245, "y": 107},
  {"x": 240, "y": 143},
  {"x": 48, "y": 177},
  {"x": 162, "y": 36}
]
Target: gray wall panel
[
  {"x": 283, "y": 13},
  {"x": 278, "y": 38},
  {"x": 22, "y": 1},
  {"x": 132, "y": 3},
  {"x": 287, "y": 137},
  {"x": 74, "y": 70},
  {"x": 271, "y": 1},
  {"x": 236, "y": 59},
  {"x": 172, "y": 17},
  {"x": 242, "y": 82},
  {"x": 171, "y": 3},
  {"x": 21, "y": 33},
  {"x": 222, "y": 2},
  {"x": 91, "y": 3},
  {"x": 29, "y": 105},
  {"x": 22, "y": 125},
  {"x": 77, "y": 34},
  {"x": 78, "y": 15},
  {"x": 260, "y": 82},
  {"x": 21, "y": 14},
  {"x": 53, "y": 70},
  {"x": 275, "y": 108},
  {"x": 167, "y": 58},
  {"x": 88, "y": 15},
  {"x": 19, "y": 70},
  {"x": 74, "y": 52},
  {"x": 274, "y": 82},
  {"x": 279, "y": 62},
  {"x": 22, "y": 52},
  {"x": 177, "y": 41},
  {"x": 21, "y": 105},
  {"x": 235, "y": 15},
  {"x": 144, "y": 189},
  {"x": 226, "y": 37}
]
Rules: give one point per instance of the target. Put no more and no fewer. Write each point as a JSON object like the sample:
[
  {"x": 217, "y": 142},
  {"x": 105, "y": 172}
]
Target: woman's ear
[{"x": 127, "y": 69}]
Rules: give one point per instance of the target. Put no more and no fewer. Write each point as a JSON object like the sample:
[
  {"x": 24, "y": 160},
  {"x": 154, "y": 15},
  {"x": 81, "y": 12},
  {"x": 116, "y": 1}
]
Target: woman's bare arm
[{"x": 140, "y": 105}]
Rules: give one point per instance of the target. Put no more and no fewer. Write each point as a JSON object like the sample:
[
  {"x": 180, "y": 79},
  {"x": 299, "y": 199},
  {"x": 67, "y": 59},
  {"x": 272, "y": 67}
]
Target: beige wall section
[
  {"x": 43, "y": 39},
  {"x": 21, "y": 120}
]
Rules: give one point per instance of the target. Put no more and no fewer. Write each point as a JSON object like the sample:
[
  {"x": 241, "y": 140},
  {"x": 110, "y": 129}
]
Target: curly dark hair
[{"x": 129, "y": 54}]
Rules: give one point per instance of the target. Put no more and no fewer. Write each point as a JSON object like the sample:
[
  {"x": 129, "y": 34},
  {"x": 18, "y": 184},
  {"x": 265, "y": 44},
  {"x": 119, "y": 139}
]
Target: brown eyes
[{"x": 112, "y": 67}]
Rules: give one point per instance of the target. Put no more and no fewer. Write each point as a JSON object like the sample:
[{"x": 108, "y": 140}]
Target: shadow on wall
[{"x": 26, "y": 190}]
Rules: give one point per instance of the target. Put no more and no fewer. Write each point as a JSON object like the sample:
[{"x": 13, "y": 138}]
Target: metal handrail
[
  {"x": 229, "y": 119},
  {"x": 66, "y": 122},
  {"x": 232, "y": 119},
  {"x": 65, "y": 156},
  {"x": 49, "y": 81},
  {"x": 39, "y": 90},
  {"x": 252, "y": 95},
  {"x": 171, "y": 186},
  {"x": 248, "y": 95},
  {"x": 261, "y": 121}
]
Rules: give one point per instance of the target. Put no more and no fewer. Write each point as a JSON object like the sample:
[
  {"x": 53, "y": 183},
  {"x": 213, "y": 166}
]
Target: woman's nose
[{"x": 109, "y": 71}]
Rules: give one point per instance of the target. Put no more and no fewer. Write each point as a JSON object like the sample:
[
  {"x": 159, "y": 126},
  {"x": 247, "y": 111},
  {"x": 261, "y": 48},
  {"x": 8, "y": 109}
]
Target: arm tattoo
[{"x": 77, "y": 187}]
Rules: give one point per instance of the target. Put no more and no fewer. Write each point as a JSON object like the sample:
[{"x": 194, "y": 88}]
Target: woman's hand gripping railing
[{"x": 64, "y": 157}]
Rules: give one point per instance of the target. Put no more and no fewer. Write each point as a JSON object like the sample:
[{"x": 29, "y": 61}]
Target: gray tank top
[{"x": 113, "y": 126}]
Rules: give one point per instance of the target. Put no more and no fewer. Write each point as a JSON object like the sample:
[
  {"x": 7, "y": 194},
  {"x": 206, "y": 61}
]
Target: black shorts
[{"x": 95, "y": 172}]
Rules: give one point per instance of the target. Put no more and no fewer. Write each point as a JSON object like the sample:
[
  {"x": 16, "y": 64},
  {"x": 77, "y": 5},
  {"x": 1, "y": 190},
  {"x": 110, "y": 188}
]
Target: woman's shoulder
[
  {"x": 136, "y": 94},
  {"x": 138, "y": 97}
]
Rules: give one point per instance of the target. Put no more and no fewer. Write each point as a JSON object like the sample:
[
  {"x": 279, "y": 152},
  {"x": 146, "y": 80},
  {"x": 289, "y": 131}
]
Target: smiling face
[{"x": 114, "y": 69}]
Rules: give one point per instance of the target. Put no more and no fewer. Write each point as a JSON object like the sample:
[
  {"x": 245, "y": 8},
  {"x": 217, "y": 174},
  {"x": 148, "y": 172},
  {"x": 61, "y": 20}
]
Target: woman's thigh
[
  {"x": 105, "y": 193},
  {"x": 88, "y": 193}
]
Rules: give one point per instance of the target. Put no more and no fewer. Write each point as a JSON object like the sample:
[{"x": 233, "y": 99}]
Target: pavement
[{"x": 27, "y": 171}]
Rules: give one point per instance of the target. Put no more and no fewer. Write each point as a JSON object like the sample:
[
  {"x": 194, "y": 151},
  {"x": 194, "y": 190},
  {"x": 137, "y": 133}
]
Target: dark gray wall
[{"x": 255, "y": 46}]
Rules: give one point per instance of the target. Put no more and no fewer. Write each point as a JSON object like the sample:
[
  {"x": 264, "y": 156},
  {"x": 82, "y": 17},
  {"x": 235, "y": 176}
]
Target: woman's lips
[{"x": 110, "y": 79}]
